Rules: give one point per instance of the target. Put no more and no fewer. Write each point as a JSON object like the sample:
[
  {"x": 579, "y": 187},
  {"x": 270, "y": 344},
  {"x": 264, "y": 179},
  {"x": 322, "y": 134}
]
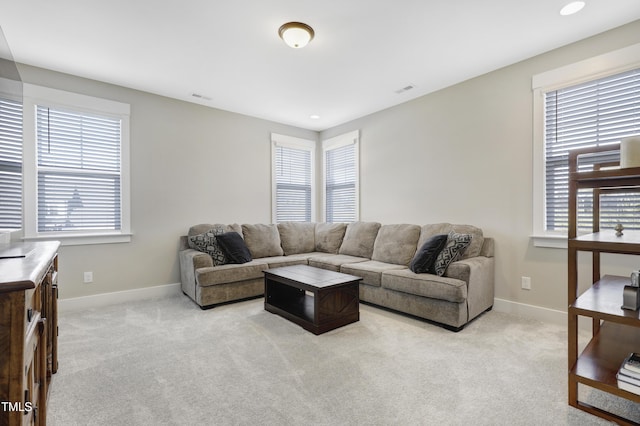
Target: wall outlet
[
  {"x": 526, "y": 283},
  {"x": 88, "y": 277}
]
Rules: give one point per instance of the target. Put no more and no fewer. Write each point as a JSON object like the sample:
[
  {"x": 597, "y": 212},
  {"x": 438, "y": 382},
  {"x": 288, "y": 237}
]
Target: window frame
[
  {"x": 278, "y": 140},
  {"x": 33, "y": 96},
  {"x": 594, "y": 68},
  {"x": 334, "y": 143}
]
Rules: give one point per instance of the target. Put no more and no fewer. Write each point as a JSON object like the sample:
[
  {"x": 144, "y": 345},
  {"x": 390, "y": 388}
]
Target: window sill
[
  {"x": 550, "y": 241},
  {"x": 82, "y": 239}
]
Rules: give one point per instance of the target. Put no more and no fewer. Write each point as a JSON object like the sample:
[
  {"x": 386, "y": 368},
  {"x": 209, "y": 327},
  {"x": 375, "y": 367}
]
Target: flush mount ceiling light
[
  {"x": 296, "y": 34},
  {"x": 571, "y": 8}
]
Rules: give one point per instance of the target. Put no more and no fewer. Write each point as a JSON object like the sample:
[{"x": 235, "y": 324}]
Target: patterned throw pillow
[
  {"x": 456, "y": 245},
  {"x": 207, "y": 243}
]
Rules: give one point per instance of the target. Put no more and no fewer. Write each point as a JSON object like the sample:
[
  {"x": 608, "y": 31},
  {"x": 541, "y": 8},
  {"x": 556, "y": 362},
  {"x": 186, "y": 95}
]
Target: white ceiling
[{"x": 229, "y": 51}]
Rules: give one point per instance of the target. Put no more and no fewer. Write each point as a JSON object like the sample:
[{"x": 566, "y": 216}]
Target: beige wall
[
  {"x": 460, "y": 155},
  {"x": 189, "y": 164},
  {"x": 464, "y": 155}
]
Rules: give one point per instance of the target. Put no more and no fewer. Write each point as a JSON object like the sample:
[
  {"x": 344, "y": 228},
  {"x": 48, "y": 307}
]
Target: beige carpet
[{"x": 166, "y": 362}]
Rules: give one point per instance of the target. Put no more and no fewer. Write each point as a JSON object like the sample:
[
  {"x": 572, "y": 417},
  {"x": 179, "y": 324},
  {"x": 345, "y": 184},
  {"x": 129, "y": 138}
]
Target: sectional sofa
[{"x": 385, "y": 256}]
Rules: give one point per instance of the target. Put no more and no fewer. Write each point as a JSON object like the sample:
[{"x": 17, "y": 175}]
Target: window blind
[
  {"x": 10, "y": 164},
  {"x": 78, "y": 168},
  {"x": 596, "y": 113},
  {"x": 293, "y": 184},
  {"x": 340, "y": 189}
]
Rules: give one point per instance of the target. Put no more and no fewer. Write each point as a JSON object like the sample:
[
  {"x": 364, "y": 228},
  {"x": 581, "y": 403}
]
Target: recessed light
[
  {"x": 571, "y": 8},
  {"x": 314, "y": 116}
]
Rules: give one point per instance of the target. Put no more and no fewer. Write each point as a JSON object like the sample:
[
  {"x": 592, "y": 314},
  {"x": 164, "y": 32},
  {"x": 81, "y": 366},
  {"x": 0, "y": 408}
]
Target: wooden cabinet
[
  {"x": 616, "y": 331},
  {"x": 28, "y": 330}
]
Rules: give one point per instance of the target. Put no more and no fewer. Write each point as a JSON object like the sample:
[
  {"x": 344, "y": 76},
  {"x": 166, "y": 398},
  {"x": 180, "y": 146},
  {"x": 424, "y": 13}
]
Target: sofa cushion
[
  {"x": 262, "y": 240},
  {"x": 204, "y": 227},
  {"x": 396, "y": 244},
  {"x": 329, "y": 236},
  {"x": 234, "y": 248},
  {"x": 477, "y": 238},
  {"x": 297, "y": 237},
  {"x": 278, "y": 261},
  {"x": 333, "y": 262},
  {"x": 207, "y": 243},
  {"x": 370, "y": 271},
  {"x": 426, "y": 285},
  {"x": 230, "y": 273},
  {"x": 359, "y": 239},
  {"x": 426, "y": 256},
  {"x": 452, "y": 251}
]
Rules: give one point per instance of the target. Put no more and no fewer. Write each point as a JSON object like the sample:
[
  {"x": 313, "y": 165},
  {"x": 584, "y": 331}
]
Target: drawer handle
[{"x": 29, "y": 314}]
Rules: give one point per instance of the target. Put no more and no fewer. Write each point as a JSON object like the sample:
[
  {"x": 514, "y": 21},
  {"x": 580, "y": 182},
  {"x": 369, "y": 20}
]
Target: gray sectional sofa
[{"x": 380, "y": 254}]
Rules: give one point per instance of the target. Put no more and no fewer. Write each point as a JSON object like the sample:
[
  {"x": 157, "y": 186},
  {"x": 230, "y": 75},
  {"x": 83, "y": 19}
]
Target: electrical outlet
[
  {"x": 88, "y": 277},
  {"x": 526, "y": 283}
]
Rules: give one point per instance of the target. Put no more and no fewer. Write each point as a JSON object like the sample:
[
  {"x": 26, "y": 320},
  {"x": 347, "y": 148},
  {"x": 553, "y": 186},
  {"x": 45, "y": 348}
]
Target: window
[
  {"x": 596, "y": 113},
  {"x": 293, "y": 179},
  {"x": 341, "y": 181},
  {"x": 10, "y": 163},
  {"x": 78, "y": 156},
  {"x": 576, "y": 108}
]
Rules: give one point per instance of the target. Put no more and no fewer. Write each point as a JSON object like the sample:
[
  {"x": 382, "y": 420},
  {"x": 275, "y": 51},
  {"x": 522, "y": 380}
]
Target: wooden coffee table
[{"x": 316, "y": 299}]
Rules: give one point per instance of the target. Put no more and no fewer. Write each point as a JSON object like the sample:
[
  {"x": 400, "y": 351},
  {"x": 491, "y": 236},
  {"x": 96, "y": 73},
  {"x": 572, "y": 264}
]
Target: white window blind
[
  {"x": 596, "y": 113},
  {"x": 10, "y": 164},
  {"x": 78, "y": 171},
  {"x": 293, "y": 173},
  {"x": 341, "y": 181}
]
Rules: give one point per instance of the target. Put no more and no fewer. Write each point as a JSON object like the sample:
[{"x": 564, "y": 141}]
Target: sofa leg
[
  {"x": 452, "y": 328},
  {"x": 489, "y": 308}
]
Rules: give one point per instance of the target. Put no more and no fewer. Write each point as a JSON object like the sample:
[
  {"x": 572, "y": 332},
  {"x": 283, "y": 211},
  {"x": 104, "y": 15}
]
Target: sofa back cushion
[
  {"x": 477, "y": 238},
  {"x": 359, "y": 239},
  {"x": 329, "y": 236},
  {"x": 297, "y": 237},
  {"x": 204, "y": 227},
  {"x": 396, "y": 244},
  {"x": 262, "y": 240}
]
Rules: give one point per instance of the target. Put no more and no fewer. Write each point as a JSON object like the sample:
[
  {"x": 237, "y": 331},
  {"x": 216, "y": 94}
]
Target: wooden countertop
[{"x": 22, "y": 273}]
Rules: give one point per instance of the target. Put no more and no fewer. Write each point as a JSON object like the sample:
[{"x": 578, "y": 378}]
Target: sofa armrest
[
  {"x": 190, "y": 260},
  {"x": 478, "y": 273}
]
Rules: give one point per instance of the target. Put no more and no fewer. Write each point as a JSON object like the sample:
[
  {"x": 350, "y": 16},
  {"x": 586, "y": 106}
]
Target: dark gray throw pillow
[
  {"x": 234, "y": 247},
  {"x": 425, "y": 258}
]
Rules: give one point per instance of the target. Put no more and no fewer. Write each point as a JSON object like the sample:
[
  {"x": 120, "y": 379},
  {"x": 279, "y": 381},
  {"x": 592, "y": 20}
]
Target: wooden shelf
[
  {"x": 607, "y": 241},
  {"x": 616, "y": 331},
  {"x": 603, "y": 301},
  {"x": 599, "y": 362}
]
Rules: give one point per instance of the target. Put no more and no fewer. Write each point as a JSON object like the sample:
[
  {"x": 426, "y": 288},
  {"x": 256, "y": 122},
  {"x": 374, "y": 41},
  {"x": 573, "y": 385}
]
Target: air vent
[
  {"x": 199, "y": 96},
  {"x": 405, "y": 88}
]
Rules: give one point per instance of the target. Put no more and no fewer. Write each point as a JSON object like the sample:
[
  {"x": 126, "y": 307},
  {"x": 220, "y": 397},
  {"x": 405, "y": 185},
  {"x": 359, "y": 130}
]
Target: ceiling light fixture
[
  {"x": 296, "y": 34},
  {"x": 571, "y": 8}
]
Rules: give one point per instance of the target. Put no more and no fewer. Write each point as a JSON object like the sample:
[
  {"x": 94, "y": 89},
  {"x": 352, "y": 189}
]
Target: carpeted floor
[{"x": 166, "y": 362}]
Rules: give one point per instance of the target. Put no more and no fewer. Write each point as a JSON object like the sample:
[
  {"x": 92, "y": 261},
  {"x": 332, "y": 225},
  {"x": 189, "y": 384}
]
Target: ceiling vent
[
  {"x": 405, "y": 88},
  {"x": 199, "y": 96}
]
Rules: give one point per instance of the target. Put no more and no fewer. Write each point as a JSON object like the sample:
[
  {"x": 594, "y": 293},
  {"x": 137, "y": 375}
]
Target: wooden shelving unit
[{"x": 616, "y": 331}]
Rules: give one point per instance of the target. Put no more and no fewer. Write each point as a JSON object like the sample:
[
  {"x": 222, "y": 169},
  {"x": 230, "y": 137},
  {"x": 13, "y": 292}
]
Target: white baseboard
[
  {"x": 169, "y": 290},
  {"x": 106, "y": 299},
  {"x": 530, "y": 311}
]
